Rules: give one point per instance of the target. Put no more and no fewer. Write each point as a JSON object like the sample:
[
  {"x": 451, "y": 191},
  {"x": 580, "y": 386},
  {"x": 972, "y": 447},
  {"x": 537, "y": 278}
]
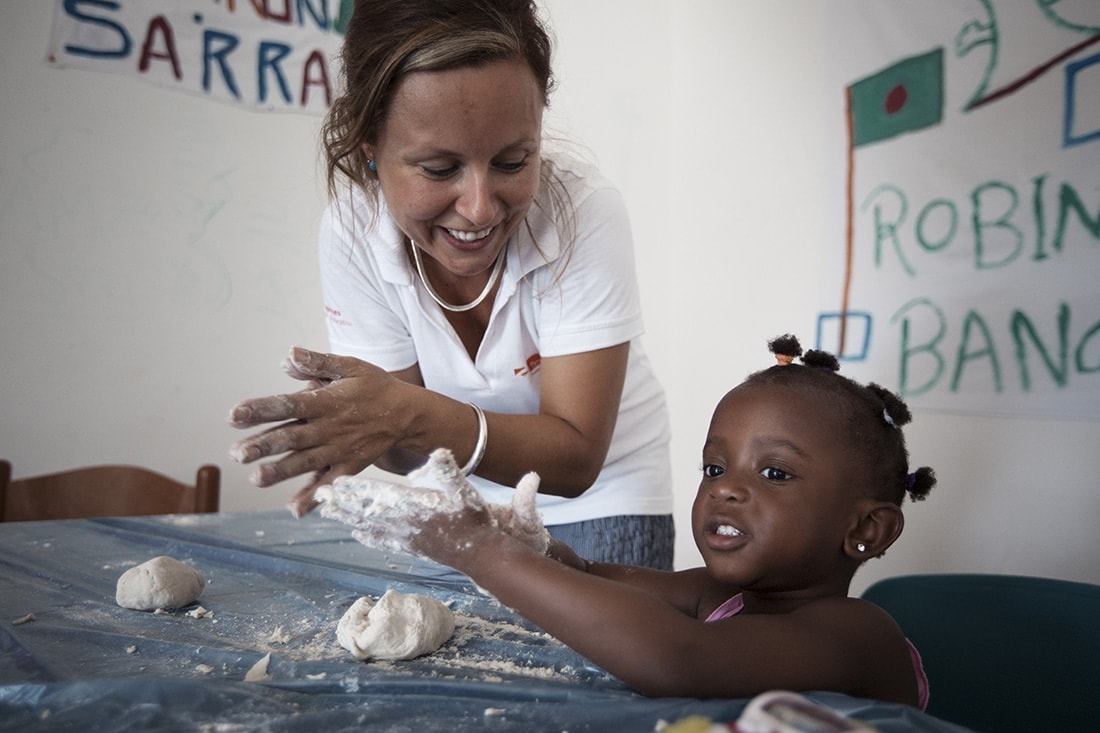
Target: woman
[{"x": 481, "y": 295}]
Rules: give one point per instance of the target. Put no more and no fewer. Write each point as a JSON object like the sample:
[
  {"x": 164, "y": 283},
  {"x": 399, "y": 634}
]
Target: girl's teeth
[
  {"x": 470, "y": 236},
  {"x": 727, "y": 531}
]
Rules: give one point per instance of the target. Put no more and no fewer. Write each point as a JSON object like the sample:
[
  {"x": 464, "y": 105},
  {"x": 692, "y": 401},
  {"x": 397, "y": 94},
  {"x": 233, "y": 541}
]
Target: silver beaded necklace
[{"x": 497, "y": 269}]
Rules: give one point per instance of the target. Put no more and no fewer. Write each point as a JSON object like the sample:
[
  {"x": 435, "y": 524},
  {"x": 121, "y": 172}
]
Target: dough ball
[
  {"x": 162, "y": 582},
  {"x": 399, "y": 626}
]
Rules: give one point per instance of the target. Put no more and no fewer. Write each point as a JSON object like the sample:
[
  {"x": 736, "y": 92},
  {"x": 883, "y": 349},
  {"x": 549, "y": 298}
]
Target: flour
[
  {"x": 258, "y": 671},
  {"x": 399, "y": 626},
  {"x": 522, "y": 519},
  {"x": 162, "y": 582},
  {"x": 387, "y": 516}
]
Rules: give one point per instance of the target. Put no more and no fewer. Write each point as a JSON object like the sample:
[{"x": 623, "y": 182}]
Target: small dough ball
[
  {"x": 399, "y": 626},
  {"x": 162, "y": 582}
]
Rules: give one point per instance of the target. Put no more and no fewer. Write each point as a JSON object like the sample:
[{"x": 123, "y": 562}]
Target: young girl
[{"x": 804, "y": 472}]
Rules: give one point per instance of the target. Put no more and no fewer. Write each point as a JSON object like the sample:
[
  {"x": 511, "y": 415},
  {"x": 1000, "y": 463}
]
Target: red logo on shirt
[
  {"x": 336, "y": 317},
  {"x": 530, "y": 368}
]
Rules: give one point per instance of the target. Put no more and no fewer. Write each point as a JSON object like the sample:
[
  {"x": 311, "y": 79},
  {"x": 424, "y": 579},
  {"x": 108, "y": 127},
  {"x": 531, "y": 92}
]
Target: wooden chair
[
  {"x": 1003, "y": 653},
  {"x": 105, "y": 491}
]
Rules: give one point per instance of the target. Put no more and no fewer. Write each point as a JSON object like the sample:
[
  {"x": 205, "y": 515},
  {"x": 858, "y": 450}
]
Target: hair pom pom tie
[
  {"x": 890, "y": 421},
  {"x": 785, "y": 348}
]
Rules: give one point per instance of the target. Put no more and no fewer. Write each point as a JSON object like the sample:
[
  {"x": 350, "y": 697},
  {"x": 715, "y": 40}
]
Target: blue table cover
[{"x": 72, "y": 659}]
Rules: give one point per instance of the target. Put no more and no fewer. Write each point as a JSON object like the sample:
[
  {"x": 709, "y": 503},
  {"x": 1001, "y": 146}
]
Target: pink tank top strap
[{"x": 731, "y": 607}]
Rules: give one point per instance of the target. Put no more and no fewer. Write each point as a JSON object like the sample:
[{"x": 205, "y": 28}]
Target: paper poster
[
  {"x": 259, "y": 54},
  {"x": 964, "y": 265}
]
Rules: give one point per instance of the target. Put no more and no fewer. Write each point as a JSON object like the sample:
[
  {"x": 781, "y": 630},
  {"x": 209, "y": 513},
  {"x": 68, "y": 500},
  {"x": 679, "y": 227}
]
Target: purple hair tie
[{"x": 910, "y": 482}]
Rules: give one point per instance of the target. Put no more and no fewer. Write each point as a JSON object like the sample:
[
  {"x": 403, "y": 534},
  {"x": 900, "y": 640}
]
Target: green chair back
[{"x": 1003, "y": 653}]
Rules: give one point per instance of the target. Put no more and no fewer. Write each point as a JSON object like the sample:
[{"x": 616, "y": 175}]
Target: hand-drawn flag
[{"x": 903, "y": 97}]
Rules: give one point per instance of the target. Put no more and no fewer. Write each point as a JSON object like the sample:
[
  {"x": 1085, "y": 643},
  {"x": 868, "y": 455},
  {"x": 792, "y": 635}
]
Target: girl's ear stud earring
[{"x": 861, "y": 547}]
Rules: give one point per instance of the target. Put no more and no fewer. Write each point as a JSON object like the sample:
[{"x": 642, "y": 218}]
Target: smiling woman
[
  {"x": 481, "y": 293},
  {"x": 458, "y": 160}
]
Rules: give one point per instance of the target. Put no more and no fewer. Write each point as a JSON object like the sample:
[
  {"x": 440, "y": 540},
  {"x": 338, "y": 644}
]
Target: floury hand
[{"x": 391, "y": 517}]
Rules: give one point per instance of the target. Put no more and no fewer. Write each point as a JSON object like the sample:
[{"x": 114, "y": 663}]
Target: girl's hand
[
  {"x": 442, "y": 524},
  {"x": 338, "y": 425}
]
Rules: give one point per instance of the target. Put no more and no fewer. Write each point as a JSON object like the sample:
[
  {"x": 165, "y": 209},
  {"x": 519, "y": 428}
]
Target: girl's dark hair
[{"x": 873, "y": 415}]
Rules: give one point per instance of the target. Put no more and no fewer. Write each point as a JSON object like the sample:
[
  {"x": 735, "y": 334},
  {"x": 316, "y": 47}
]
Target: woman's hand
[
  {"x": 443, "y": 524},
  {"x": 353, "y": 414},
  {"x": 338, "y": 425}
]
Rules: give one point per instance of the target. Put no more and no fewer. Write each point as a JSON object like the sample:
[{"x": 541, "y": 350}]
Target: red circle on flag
[{"x": 896, "y": 99}]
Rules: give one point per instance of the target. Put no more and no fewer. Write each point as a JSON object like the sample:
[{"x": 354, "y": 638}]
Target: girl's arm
[
  {"x": 654, "y": 646},
  {"x": 692, "y": 591},
  {"x": 642, "y": 626}
]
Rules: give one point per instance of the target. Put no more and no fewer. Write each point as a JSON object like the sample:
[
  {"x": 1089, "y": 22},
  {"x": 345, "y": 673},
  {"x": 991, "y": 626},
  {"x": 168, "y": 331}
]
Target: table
[{"x": 72, "y": 659}]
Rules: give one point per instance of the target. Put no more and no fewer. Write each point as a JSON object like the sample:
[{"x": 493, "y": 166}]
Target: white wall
[{"x": 157, "y": 260}]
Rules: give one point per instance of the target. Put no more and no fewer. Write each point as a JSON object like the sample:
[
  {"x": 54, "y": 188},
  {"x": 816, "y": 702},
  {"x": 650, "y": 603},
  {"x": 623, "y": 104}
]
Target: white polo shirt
[{"x": 378, "y": 311}]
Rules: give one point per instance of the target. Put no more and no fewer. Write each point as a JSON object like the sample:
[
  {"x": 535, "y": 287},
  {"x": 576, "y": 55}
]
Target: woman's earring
[
  {"x": 372, "y": 166},
  {"x": 861, "y": 547}
]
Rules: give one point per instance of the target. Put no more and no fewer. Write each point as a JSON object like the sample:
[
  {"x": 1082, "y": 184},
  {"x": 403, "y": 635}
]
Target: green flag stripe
[{"x": 903, "y": 97}]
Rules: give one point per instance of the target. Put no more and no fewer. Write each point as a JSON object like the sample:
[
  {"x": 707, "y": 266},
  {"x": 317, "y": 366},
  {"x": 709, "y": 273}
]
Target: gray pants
[{"x": 636, "y": 539}]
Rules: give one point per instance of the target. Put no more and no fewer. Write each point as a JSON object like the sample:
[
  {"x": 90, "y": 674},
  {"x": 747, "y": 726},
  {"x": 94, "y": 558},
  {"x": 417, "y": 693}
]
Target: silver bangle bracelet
[{"x": 482, "y": 439}]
